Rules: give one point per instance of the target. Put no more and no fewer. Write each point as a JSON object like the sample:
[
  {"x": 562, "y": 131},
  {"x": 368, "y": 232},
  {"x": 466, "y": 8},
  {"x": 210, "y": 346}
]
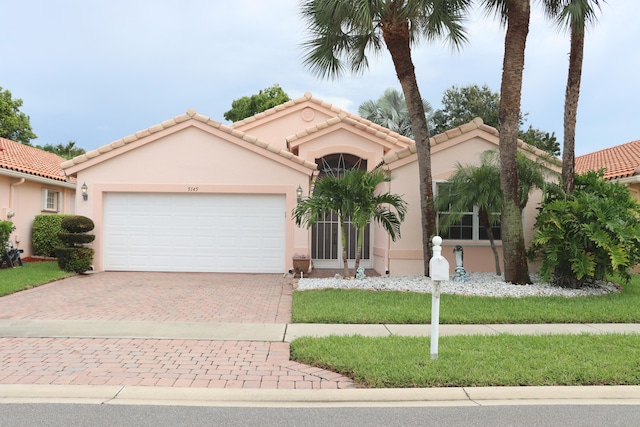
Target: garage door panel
[{"x": 194, "y": 232}]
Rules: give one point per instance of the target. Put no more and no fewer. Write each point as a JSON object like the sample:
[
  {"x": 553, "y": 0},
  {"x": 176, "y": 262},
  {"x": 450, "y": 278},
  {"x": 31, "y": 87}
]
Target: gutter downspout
[
  {"x": 11, "y": 212},
  {"x": 12, "y": 187}
]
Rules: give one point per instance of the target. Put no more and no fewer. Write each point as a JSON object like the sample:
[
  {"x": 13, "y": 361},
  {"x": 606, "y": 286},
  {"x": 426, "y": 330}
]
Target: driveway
[
  {"x": 162, "y": 301},
  {"x": 158, "y": 297}
]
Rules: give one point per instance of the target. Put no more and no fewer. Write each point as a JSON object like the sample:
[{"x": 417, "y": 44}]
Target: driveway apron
[{"x": 208, "y": 299}]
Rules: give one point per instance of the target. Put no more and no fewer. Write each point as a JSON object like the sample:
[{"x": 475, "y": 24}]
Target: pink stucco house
[
  {"x": 192, "y": 194},
  {"x": 31, "y": 183}
]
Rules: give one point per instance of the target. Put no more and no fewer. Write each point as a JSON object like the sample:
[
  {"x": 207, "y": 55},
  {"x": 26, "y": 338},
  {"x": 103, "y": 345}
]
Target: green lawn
[
  {"x": 471, "y": 361},
  {"x": 28, "y": 276},
  {"x": 357, "y": 306},
  {"x": 467, "y": 361}
]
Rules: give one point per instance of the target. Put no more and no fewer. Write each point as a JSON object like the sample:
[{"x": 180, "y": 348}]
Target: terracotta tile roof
[
  {"x": 619, "y": 161},
  {"x": 30, "y": 160},
  {"x": 476, "y": 123},
  {"x": 189, "y": 115},
  {"x": 341, "y": 115}
]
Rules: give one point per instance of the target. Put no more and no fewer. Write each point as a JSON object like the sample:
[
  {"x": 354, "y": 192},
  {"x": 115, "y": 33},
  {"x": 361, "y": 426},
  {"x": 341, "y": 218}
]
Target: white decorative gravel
[{"x": 479, "y": 284}]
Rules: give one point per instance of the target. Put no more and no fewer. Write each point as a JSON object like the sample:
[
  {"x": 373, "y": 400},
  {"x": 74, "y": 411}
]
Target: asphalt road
[{"x": 68, "y": 415}]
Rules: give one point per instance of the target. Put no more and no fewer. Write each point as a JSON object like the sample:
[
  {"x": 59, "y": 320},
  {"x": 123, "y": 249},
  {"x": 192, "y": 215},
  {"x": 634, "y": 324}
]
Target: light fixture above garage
[
  {"x": 84, "y": 188},
  {"x": 299, "y": 193}
]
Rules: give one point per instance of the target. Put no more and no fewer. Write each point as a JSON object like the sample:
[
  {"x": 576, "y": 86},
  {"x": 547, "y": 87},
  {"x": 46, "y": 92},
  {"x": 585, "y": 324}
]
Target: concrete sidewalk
[{"x": 275, "y": 332}]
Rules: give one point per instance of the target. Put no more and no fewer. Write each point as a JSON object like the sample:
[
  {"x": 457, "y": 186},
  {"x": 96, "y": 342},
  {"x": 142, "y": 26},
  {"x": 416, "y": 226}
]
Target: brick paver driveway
[
  {"x": 157, "y": 297},
  {"x": 161, "y": 297}
]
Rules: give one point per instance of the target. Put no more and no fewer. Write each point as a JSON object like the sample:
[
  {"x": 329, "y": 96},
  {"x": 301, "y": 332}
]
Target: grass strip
[
  {"x": 30, "y": 275},
  {"x": 478, "y": 360},
  {"x": 358, "y": 306}
]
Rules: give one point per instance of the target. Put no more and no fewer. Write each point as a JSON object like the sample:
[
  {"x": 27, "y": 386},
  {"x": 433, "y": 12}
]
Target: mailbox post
[{"x": 439, "y": 271}]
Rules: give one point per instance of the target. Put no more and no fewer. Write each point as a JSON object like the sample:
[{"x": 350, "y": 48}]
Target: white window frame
[
  {"x": 49, "y": 194},
  {"x": 475, "y": 219}
]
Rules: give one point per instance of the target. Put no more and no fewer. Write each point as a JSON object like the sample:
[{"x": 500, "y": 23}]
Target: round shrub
[
  {"x": 77, "y": 224},
  {"x": 45, "y": 234},
  {"x": 75, "y": 260}
]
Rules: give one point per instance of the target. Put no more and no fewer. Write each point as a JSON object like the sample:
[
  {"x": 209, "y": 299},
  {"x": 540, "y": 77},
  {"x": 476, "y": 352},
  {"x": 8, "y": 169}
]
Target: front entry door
[{"x": 326, "y": 244}]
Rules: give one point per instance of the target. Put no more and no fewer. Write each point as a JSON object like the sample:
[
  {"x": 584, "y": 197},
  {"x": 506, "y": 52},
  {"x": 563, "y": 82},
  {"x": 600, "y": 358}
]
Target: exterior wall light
[
  {"x": 299, "y": 193},
  {"x": 84, "y": 188}
]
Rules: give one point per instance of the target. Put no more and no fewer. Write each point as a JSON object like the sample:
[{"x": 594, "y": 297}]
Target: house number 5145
[{"x": 192, "y": 189}]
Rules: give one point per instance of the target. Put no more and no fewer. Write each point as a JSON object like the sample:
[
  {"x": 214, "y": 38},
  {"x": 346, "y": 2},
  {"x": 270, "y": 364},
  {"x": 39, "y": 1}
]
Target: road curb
[{"x": 449, "y": 396}]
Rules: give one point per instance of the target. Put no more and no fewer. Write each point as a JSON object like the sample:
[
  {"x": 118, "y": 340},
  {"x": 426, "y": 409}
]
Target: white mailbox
[{"x": 438, "y": 265}]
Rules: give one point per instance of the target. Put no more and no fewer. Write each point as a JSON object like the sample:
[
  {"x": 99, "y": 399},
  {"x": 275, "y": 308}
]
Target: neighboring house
[
  {"x": 620, "y": 163},
  {"x": 31, "y": 183},
  {"x": 192, "y": 194}
]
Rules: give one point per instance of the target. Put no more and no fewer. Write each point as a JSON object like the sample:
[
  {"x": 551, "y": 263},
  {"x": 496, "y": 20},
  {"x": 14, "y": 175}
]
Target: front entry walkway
[{"x": 159, "y": 300}]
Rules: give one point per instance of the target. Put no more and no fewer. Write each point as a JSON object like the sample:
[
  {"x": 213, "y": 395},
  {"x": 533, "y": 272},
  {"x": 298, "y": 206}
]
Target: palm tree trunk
[
  {"x": 571, "y": 107},
  {"x": 397, "y": 39},
  {"x": 484, "y": 220},
  {"x": 359, "y": 233},
  {"x": 345, "y": 259},
  {"x": 515, "y": 261}
]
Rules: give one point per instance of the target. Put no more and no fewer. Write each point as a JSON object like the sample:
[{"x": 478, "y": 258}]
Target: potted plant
[{"x": 301, "y": 264}]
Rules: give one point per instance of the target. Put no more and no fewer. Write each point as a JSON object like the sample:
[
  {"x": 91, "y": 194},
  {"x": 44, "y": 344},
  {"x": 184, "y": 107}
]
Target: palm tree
[
  {"x": 479, "y": 186},
  {"x": 574, "y": 15},
  {"x": 370, "y": 206},
  {"x": 342, "y": 31},
  {"x": 472, "y": 186},
  {"x": 390, "y": 111},
  {"x": 515, "y": 14},
  {"x": 352, "y": 195}
]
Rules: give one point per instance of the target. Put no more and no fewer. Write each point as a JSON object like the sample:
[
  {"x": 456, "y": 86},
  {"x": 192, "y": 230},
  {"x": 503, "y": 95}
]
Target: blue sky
[{"x": 95, "y": 71}]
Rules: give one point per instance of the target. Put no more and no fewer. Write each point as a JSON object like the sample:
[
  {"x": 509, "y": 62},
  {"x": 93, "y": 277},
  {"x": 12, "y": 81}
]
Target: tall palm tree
[
  {"x": 343, "y": 31},
  {"x": 515, "y": 14},
  {"x": 390, "y": 111},
  {"x": 573, "y": 15},
  {"x": 352, "y": 196}
]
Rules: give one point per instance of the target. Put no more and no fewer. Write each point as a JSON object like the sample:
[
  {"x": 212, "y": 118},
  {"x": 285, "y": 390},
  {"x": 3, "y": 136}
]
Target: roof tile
[
  {"x": 619, "y": 162},
  {"x": 30, "y": 160}
]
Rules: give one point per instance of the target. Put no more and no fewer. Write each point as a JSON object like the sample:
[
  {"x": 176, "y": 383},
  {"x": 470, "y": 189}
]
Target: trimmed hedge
[
  {"x": 72, "y": 256},
  {"x": 77, "y": 224},
  {"x": 45, "y": 234},
  {"x": 76, "y": 260}
]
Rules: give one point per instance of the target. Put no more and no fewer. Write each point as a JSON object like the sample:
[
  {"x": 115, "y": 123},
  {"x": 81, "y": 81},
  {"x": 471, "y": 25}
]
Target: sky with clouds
[{"x": 95, "y": 71}]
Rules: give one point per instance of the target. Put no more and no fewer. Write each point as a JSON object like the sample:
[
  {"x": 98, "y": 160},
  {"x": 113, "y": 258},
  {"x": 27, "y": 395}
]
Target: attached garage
[{"x": 194, "y": 232}]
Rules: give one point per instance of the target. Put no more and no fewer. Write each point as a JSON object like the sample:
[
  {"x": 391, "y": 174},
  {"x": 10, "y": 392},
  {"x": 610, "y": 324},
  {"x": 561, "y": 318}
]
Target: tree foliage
[
  {"x": 462, "y": 104},
  {"x": 587, "y": 234},
  {"x": 390, "y": 111},
  {"x": 67, "y": 151},
  {"x": 14, "y": 124},
  {"x": 248, "y": 106},
  {"x": 479, "y": 186},
  {"x": 353, "y": 196}
]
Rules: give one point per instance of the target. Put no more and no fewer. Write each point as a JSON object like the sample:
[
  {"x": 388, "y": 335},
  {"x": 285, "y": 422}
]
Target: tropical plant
[
  {"x": 588, "y": 234},
  {"x": 67, "y": 151},
  {"x": 573, "y": 15},
  {"x": 6, "y": 228},
  {"x": 342, "y": 31},
  {"x": 352, "y": 196},
  {"x": 390, "y": 111},
  {"x": 479, "y": 186},
  {"x": 515, "y": 14}
]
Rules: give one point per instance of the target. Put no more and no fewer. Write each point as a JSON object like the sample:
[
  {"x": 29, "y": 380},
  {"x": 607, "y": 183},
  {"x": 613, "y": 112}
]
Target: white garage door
[{"x": 194, "y": 232}]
